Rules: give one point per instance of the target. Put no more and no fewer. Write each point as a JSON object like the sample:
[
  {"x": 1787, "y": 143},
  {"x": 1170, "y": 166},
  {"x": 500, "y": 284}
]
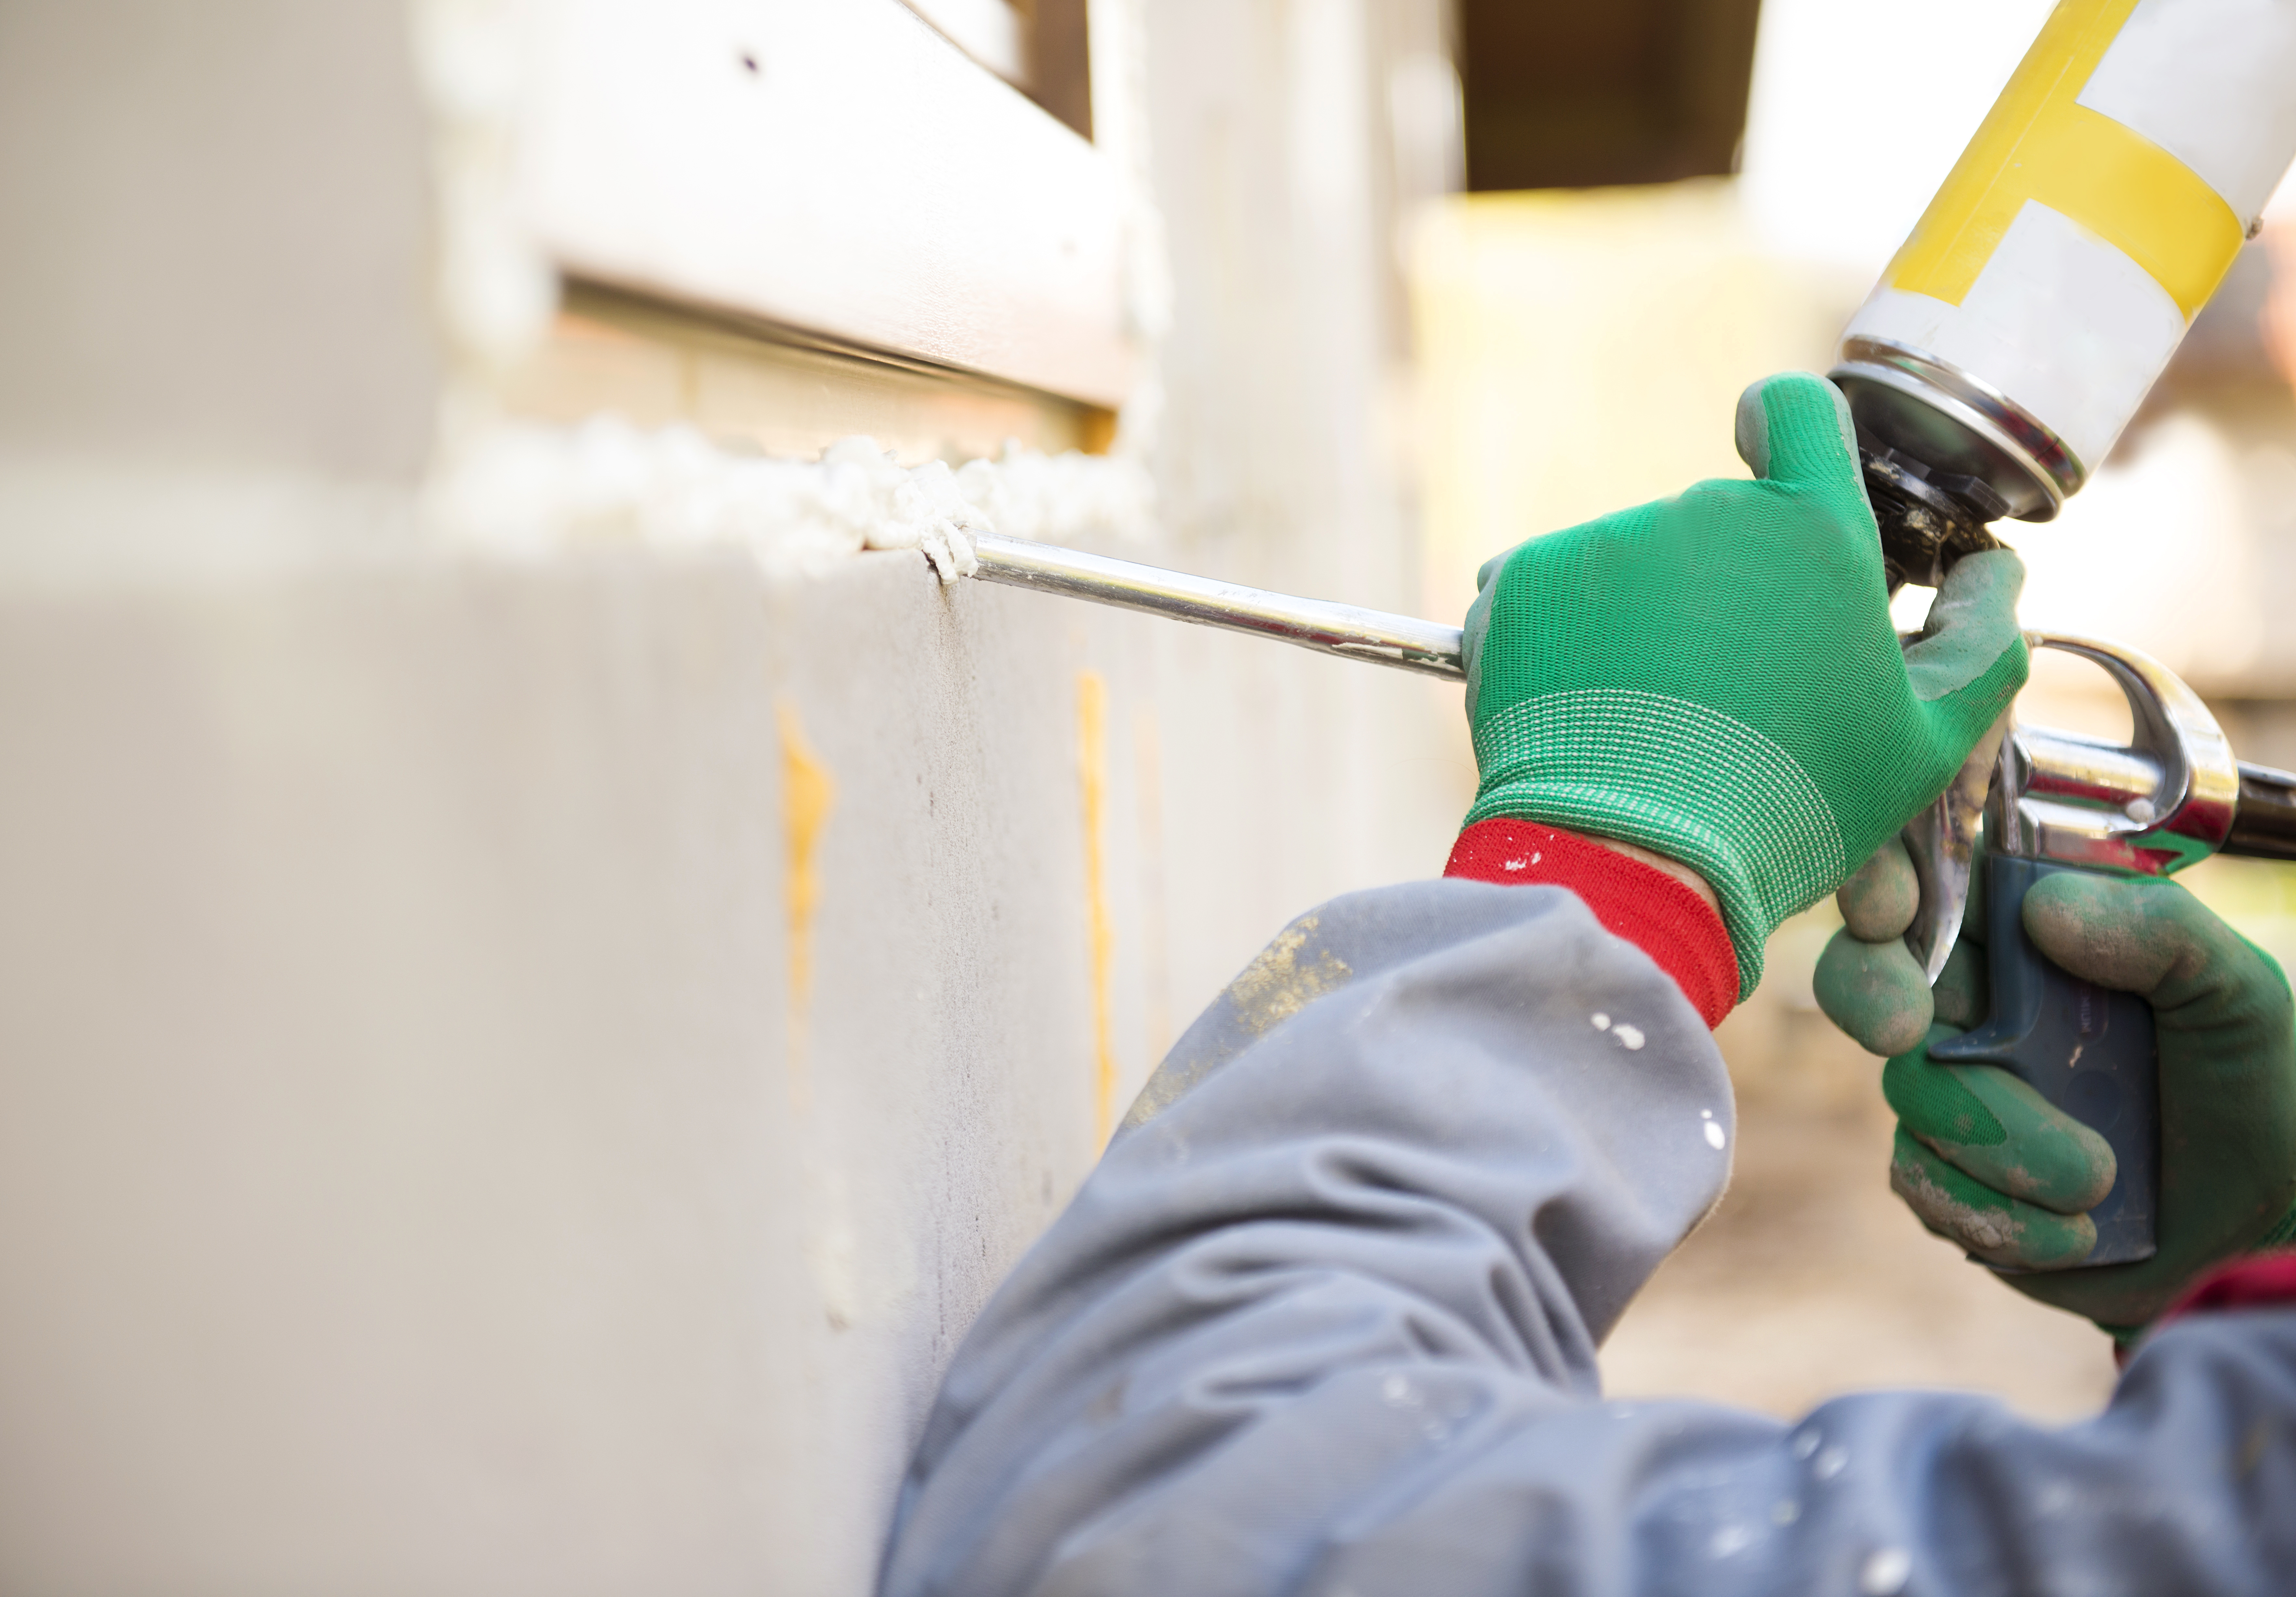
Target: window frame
[{"x": 839, "y": 169}]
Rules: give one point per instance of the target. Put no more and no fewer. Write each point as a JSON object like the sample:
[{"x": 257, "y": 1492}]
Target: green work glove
[
  {"x": 1868, "y": 982},
  {"x": 1986, "y": 1163},
  {"x": 1715, "y": 675}
]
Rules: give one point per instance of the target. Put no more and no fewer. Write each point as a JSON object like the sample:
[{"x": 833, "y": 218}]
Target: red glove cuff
[
  {"x": 2256, "y": 1281},
  {"x": 1664, "y": 918},
  {"x": 2259, "y": 1280}
]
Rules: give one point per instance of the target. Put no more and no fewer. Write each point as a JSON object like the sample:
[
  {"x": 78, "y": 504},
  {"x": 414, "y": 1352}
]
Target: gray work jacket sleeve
[{"x": 1324, "y": 1320}]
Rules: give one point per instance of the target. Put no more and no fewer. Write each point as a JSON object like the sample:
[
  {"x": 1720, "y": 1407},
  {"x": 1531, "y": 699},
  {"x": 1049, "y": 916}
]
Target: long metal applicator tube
[
  {"x": 1345, "y": 629},
  {"x": 2060, "y": 764}
]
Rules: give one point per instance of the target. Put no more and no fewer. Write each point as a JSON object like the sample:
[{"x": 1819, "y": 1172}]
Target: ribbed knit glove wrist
[
  {"x": 1987, "y": 1163},
  {"x": 1715, "y": 675}
]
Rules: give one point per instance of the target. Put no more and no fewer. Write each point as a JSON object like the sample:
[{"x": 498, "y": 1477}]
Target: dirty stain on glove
[{"x": 1984, "y": 1161}]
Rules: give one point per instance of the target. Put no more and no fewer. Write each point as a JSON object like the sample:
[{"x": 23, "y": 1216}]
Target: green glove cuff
[
  {"x": 2282, "y": 1235},
  {"x": 1693, "y": 784}
]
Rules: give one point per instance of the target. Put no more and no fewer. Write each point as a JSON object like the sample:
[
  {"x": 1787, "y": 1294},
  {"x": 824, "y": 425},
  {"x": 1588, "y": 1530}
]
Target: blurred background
[{"x": 548, "y": 966}]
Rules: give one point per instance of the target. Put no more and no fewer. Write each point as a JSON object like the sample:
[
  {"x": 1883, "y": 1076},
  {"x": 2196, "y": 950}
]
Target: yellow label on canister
[{"x": 2037, "y": 143}]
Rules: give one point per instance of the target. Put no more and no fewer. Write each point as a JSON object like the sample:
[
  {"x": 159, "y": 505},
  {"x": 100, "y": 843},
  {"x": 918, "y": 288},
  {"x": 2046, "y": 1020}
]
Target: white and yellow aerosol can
[{"x": 2019, "y": 327}]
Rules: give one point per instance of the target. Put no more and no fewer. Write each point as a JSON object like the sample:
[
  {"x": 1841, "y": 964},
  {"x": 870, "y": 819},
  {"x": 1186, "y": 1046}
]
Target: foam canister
[{"x": 2102, "y": 199}]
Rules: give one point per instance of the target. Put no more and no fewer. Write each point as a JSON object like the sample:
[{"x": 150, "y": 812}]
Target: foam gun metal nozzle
[
  {"x": 1347, "y": 630},
  {"x": 2145, "y": 801}
]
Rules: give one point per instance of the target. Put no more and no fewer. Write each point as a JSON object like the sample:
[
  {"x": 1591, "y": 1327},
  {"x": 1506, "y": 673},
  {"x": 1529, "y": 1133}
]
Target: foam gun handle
[
  {"x": 2087, "y": 1049},
  {"x": 2174, "y": 795}
]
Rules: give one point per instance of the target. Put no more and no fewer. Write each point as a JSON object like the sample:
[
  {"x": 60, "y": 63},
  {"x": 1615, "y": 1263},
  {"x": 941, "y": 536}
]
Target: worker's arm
[{"x": 1324, "y": 1320}]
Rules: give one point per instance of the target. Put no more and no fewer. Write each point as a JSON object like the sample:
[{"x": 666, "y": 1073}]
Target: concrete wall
[
  {"x": 219, "y": 234},
  {"x": 515, "y": 1076},
  {"x": 413, "y": 1176}
]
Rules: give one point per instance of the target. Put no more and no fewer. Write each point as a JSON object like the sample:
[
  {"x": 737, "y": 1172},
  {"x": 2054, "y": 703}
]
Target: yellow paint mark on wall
[
  {"x": 2037, "y": 144},
  {"x": 808, "y": 793},
  {"x": 1091, "y": 772}
]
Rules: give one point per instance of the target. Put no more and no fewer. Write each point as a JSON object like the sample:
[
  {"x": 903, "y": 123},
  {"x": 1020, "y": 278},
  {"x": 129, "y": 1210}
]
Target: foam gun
[{"x": 2008, "y": 345}]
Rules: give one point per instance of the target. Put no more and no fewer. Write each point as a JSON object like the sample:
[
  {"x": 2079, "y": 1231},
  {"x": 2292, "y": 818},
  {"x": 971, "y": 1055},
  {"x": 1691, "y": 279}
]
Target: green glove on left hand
[
  {"x": 1715, "y": 677},
  {"x": 1986, "y": 1162}
]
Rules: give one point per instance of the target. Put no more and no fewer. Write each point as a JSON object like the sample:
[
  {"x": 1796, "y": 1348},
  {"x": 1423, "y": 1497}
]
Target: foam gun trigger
[{"x": 1942, "y": 842}]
